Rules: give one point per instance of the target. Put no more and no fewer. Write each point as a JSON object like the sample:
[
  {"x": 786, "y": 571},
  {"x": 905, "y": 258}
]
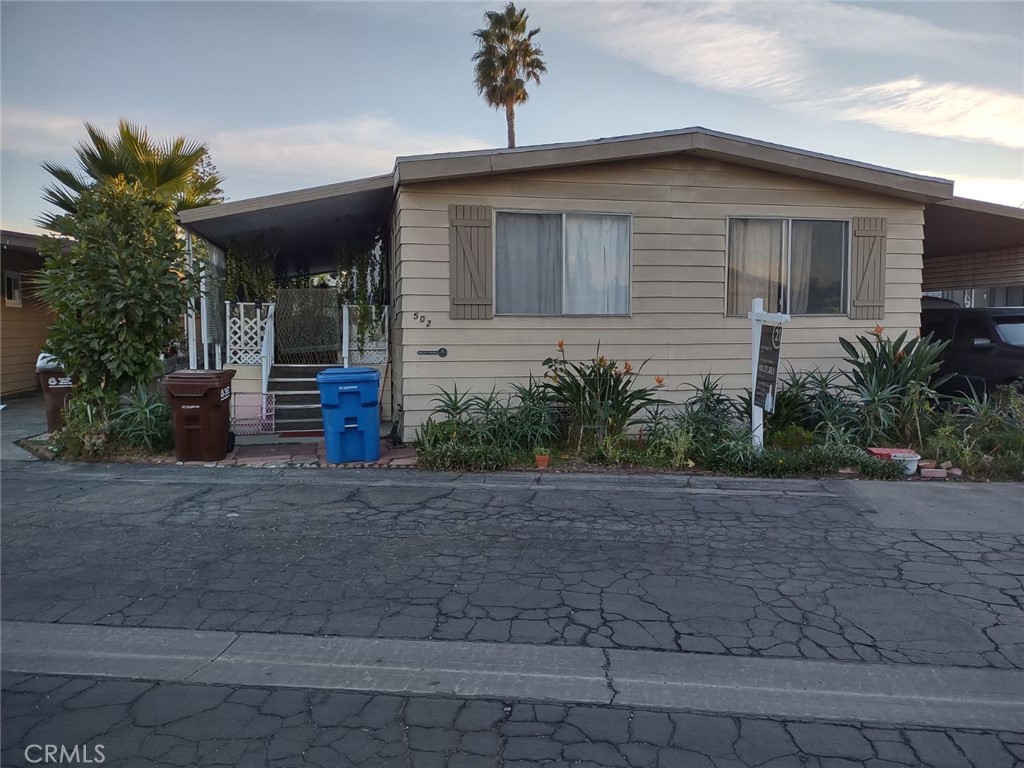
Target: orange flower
[
  {"x": 659, "y": 380},
  {"x": 627, "y": 367},
  {"x": 561, "y": 345},
  {"x": 602, "y": 360},
  {"x": 877, "y": 330}
]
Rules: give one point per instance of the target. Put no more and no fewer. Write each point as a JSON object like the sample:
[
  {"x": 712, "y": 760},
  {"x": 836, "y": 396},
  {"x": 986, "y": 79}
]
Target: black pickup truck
[{"x": 986, "y": 348}]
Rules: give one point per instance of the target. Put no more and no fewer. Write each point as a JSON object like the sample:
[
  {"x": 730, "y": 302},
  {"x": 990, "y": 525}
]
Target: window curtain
[
  {"x": 801, "y": 248},
  {"x": 528, "y": 264},
  {"x": 755, "y": 264},
  {"x": 596, "y": 265}
]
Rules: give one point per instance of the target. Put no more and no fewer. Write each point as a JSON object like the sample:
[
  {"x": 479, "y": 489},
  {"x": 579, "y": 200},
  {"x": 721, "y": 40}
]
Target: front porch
[
  {"x": 277, "y": 355},
  {"x": 314, "y": 295}
]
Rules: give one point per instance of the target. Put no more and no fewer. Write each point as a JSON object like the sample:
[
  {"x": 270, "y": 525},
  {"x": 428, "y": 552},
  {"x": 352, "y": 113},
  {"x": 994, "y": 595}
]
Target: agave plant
[{"x": 893, "y": 381}]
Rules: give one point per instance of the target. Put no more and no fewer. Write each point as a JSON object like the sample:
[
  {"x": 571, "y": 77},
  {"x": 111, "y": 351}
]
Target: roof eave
[{"x": 284, "y": 199}]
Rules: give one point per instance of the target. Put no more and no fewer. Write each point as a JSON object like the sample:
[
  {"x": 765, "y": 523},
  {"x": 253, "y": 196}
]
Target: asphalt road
[{"x": 837, "y": 635}]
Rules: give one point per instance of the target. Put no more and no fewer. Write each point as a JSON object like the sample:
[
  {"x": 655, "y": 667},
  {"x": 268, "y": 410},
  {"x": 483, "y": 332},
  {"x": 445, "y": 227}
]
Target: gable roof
[{"x": 696, "y": 141}]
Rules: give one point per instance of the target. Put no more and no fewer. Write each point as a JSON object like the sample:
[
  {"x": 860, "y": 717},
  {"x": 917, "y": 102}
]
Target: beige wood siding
[
  {"x": 23, "y": 329},
  {"x": 395, "y": 321},
  {"x": 679, "y": 206},
  {"x": 974, "y": 270},
  {"x": 247, "y": 379}
]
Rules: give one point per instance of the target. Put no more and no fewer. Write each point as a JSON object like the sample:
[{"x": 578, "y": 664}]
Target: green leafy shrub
[
  {"x": 86, "y": 429},
  {"x": 791, "y": 438},
  {"x": 143, "y": 420},
  {"x": 984, "y": 435},
  {"x": 118, "y": 283},
  {"x": 952, "y": 441},
  {"x": 486, "y": 432},
  {"x": 440, "y": 447},
  {"x": 733, "y": 452},
  {"x": 674, "y": 444}
]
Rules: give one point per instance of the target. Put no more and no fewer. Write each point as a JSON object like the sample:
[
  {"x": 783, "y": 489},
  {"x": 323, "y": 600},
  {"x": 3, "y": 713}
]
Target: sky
[{"x": 291, "y": 94}]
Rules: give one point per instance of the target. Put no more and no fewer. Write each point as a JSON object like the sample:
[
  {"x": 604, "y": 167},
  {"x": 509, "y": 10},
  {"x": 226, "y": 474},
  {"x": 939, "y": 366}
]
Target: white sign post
[{"x": 758, "y": 317}]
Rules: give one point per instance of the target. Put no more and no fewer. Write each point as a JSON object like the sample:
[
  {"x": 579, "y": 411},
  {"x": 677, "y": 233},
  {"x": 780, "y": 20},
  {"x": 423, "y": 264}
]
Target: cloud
[
  {"x": 335, "y": 149},
  {"x": 39, "y": 133},
  {"x": 994, "y": 190},
  {"x": 950, "y": 110},
  {"x": 819, "y": 59},
  {"x": 340, "y": 149}
]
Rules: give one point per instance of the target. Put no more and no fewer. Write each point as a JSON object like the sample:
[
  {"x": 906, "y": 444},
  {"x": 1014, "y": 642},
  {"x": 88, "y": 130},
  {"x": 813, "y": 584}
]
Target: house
[
  {"x": 652, "y": 245},
  {"x": 24, "y": 321}
]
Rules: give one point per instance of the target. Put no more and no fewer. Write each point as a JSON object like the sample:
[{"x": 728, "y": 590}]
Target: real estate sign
[{"x": 767, "y": 379}]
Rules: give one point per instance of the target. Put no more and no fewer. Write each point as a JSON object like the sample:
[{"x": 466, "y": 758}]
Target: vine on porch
[{"x": 362, "y": 278}]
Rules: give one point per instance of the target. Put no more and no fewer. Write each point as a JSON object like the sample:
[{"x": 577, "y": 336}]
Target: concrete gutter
[{"x": 947, "y": 697}]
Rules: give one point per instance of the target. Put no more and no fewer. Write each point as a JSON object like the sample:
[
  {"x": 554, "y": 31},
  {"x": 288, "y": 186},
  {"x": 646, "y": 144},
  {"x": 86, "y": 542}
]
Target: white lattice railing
[{"x": 246, "y": 326}]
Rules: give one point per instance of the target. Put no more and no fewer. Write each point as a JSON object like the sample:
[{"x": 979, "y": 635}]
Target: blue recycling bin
[{"x": 348, "y": 402}]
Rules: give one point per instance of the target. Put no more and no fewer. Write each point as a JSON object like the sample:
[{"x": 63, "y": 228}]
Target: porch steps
[{"x": 297, "y": 399}]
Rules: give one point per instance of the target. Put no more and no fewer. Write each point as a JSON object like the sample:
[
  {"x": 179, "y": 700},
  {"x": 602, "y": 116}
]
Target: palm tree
[
  {"x": 177, "y": 171},
  {"x": 506, "y": 60}
]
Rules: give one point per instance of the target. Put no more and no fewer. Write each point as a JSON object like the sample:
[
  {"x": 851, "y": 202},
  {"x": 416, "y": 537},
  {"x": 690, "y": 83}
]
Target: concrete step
[
  {"x": 297, "y": 425},
  {"x": 279, "y": 371},
  {"x": 292, "y": 385},
  {"x": 291, "y": 412},
  {"x": 308, "y": 397}
]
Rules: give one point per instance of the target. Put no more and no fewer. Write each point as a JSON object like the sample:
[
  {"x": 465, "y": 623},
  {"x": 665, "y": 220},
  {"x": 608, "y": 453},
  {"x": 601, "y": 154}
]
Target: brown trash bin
[
  {"x": 201, "y": 411},
  {"x": 56, "y": 388}
]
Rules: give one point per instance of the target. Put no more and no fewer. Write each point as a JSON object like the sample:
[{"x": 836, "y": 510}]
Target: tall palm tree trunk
[{"x": 510, "y": 120}]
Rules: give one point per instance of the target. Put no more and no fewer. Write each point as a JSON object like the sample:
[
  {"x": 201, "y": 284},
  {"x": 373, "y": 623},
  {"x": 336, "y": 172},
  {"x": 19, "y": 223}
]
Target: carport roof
[
  {"x": 963, "y": 226},
  {"x": 304, "y": 224}
]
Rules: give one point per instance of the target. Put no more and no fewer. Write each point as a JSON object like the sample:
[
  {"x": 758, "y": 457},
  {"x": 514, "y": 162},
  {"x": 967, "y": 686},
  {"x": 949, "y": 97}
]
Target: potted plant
[{"x": 543, "y": 456}]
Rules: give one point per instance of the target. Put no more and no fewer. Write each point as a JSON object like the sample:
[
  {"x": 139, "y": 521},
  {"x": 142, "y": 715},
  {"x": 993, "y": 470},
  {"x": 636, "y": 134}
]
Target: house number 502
[{"x": 421, "y": 318}]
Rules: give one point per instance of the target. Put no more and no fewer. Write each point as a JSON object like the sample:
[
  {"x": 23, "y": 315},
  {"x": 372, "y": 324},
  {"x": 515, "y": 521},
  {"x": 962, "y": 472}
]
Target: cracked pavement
[
  {"x": 166, "y": 724},
  {"x": 773, "y": 569},
  {"x": 783, "y": 574}
]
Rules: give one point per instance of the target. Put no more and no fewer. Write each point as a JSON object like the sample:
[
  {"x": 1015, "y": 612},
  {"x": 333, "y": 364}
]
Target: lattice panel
[
  {"x": 370, "y": 355},
  {"x": 252, "y": 413},
  {"x": 245, "y": 339}
]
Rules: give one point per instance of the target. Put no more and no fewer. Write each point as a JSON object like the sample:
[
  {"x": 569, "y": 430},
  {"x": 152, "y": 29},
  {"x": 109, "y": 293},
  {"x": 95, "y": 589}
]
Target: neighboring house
[
  {"x": 651, "y": 245},
  {"x": 24, "y": 321}
]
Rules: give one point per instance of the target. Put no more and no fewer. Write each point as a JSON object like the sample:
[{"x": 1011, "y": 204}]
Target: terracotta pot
[{"x": 542, "y": 460}]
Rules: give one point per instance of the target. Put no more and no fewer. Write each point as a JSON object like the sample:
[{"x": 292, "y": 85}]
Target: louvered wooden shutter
[
  {"x": 469, "y": 233},
  {"x": 867, "y": 269}
]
